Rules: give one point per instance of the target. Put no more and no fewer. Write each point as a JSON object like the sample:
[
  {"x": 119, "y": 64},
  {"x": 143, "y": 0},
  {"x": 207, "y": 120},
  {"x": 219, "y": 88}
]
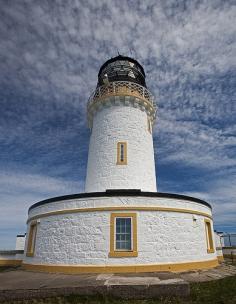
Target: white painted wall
[
  {"x": 113, "y": 124},
  {"x": 84, "y": 238},
  {"x": 20, "y": 242},
  {"x": 218, "y": 244}
]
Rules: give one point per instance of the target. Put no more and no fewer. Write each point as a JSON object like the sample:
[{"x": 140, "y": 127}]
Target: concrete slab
[
  {"x": 104, "y": 276},
  {"x": 215, "y": 276},
  {"x": 219, "y": 272},
  {"x": 118, "y": 280},
  {"x": 171, "y": 281}
]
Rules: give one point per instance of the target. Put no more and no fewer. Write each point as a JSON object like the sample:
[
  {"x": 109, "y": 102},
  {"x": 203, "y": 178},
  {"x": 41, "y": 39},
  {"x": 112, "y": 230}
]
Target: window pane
[
  {"x": 128, "y": 237},
  {"x": 128, "y": 245},
  {"x": 123, "y": 237},
  {"x": 128, "y": 228},
  {"x": 123, "y": 229},
  {"x": 122, "y": 152},
  {"x": 118, "y": 221}
]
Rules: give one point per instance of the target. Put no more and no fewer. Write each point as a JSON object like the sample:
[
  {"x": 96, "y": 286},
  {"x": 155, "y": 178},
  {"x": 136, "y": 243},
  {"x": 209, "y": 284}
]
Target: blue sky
[{"x": 50, "y": 54}]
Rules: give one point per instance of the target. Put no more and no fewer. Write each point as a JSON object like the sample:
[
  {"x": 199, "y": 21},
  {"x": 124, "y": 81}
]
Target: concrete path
[{"x": 20, "y": 284}]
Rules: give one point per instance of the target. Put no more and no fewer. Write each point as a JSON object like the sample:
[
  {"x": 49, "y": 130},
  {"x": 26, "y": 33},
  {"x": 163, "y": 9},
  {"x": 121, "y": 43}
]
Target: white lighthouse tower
[
  {"x": 121, "y": 114},
  {"x": 120, "y": 223}
]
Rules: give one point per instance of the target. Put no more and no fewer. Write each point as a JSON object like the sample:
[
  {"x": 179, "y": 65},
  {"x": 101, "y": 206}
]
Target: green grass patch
[
  {"x": 7, "y": 268},
  {"x": 218, "y": 292}
]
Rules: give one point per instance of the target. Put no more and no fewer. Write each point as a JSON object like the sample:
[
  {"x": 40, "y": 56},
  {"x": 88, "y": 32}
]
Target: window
[
  {"x": 209, "y": 239},
  {"x": 121, "y": 153},
  {"x": 31, "y": 239},
  {"x": 123, "y": 235}
]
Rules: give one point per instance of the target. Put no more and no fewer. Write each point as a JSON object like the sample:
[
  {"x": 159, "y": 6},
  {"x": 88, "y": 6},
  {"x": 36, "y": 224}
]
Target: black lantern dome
[{"x": 121, "y": 68}]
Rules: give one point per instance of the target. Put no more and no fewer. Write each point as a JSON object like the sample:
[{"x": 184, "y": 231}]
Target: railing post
[{"x": 99, "y": 92}]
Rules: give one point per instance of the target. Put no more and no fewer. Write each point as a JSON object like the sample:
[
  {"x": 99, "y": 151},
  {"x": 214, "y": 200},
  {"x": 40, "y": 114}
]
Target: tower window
[
  {"x": 123, "y": 235},
  {"x": 31, "y": 239},
  {"x": 209, "y": 239},
  {"x": 121, "y": 153}
]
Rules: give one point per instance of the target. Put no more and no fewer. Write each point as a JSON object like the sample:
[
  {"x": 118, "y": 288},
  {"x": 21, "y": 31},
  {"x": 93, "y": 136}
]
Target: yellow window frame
[
  {"x": 120, "y": 253},
  {"x": 209, "y": 236},
  {"x": 119, "y": 161},
  {"x": 31, "y": 239}
]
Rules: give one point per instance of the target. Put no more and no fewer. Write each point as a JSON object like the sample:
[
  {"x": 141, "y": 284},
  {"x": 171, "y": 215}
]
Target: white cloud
[
  {"x": 193, "y": 143},
  {"x": 50, "y": 54},
  {"x": 57, "y": 42},
  {"x": 32, "y": 183}
]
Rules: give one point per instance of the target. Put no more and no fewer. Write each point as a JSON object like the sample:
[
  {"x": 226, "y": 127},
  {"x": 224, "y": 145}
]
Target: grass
[
  {"x": 8, "y": 268},
  {"x": 214, "y": 292}
]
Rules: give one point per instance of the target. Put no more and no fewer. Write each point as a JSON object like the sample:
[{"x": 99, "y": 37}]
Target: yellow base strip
[
  {"x": 73, "y": 269},
  {"x": 10, "y": 262}
]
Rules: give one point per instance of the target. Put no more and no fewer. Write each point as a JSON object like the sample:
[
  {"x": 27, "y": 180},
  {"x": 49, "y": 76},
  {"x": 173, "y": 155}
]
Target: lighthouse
[
  {"x": 120, "y": 223},
  {"x": 121, "y": 114}
]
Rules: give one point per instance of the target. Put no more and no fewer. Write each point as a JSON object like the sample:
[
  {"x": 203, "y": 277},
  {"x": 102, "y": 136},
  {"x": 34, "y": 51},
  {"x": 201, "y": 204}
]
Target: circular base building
[
  {"x": 110, "y": 227},
  {"x": 120, "y": 231}
]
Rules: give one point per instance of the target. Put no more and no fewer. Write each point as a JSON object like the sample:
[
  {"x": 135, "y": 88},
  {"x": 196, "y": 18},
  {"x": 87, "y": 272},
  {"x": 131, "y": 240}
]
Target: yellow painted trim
[
  {"x": 118, "y": 254},
  {"x": 10, "y": 262},
  {"x": 209, "y": 239},
  {"x": 31, "y": 239},
  {"x": 220, "y": 258},
  {"x": 118, "y": 161},
  {"x": 212, "y": 250},
  {"x": 119, "y": 208},
  {"x": 121, "y": 93},
  {"x": 73, "y": 269}
]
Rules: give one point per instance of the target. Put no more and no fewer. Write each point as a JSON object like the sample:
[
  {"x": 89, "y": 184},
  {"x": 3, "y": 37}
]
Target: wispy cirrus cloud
[
  {"x": 195, "y": 144},
  {"x": 50, "y": 54}
]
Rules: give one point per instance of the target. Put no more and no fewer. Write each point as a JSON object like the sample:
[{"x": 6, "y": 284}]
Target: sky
[{"x": 50, "y": 54}]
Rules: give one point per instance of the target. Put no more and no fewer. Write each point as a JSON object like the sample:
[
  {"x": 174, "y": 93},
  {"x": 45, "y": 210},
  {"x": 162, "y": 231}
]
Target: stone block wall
[{"x": 76, "y": 237}]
